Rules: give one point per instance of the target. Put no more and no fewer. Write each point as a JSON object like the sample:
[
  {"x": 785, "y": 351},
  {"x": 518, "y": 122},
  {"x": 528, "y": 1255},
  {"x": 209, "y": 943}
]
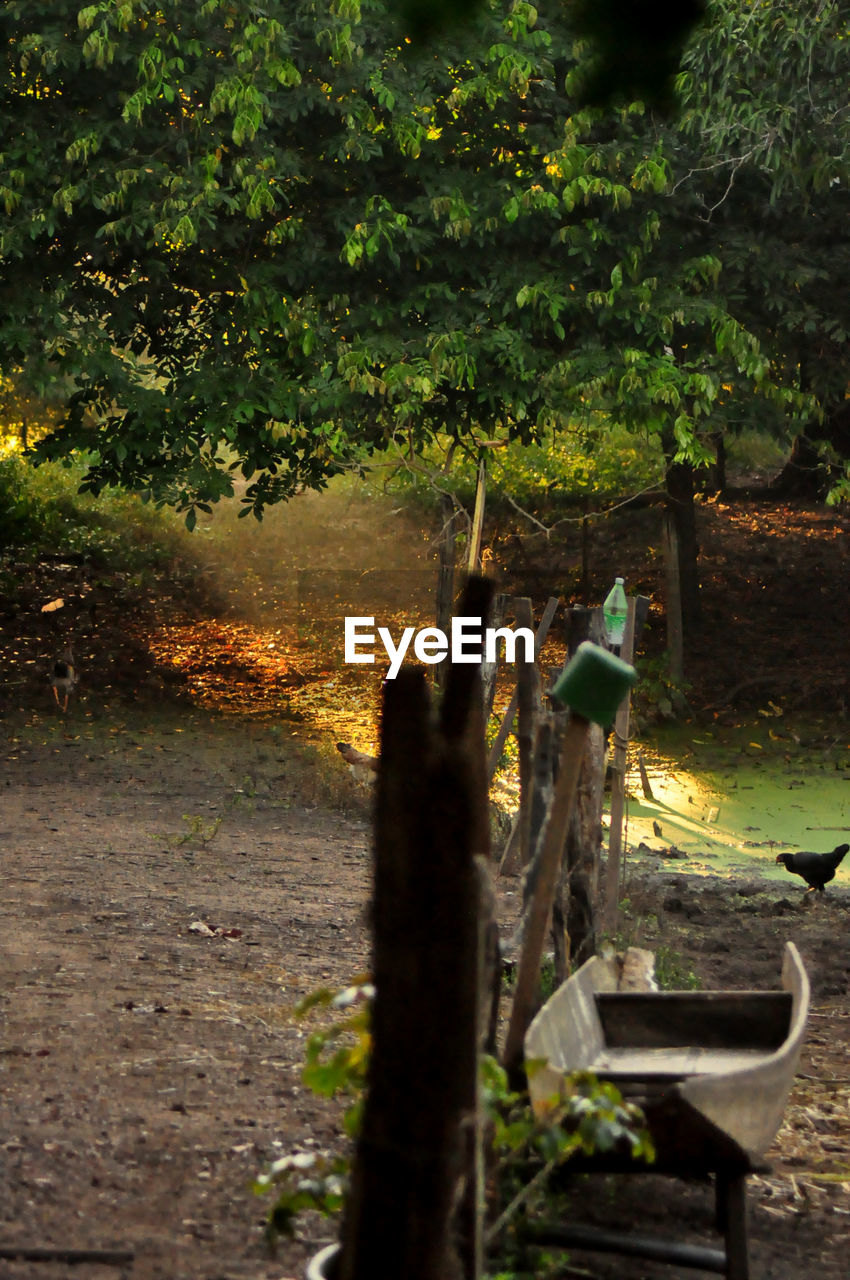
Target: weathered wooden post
[
  {"x": 418, "y": 1142},
  {"x": 524, "y": 699},
  {"x": 618, "y": 783},
  {"x": 445, "y": 574},
  {"x": 528, "y": 712},
  {"x": 511, "y": 710},
  {"x": 490, "y": 670},
  {"x": 574, "y": 913},
  {"x": 473, "y": 562},
  {"x": 593, "y": 686},
  {"x": 635, "y": 618}
]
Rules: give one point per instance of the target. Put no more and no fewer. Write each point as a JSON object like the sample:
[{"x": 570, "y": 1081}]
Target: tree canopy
[
  {"x": 761, "y": 159},
  {"x": 256, "y": 245}
]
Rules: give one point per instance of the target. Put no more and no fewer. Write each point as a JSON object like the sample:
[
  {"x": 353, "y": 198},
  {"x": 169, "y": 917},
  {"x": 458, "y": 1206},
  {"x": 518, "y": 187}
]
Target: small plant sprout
[
  {"x": 336, "y": 1062},
  {"x": 304, "y": 1180},
  {"x": 197, "y": 829}
]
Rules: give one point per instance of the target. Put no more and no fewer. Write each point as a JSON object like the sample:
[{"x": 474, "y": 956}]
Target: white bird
[{"x": 64, "y": 677}]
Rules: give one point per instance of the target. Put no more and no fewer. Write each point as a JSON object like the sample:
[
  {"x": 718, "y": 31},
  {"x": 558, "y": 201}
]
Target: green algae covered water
[{"x": 731, "y": 799}]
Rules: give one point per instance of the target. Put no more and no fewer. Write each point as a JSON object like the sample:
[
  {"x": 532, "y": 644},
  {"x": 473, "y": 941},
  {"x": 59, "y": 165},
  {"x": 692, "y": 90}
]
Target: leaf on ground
[{"x": 214, "y": 931}]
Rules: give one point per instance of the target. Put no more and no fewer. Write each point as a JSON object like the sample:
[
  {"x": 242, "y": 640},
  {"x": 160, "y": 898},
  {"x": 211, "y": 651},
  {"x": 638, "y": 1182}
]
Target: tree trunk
[
  {"x": 715, "y": 477},
  {"x": 680, "y": 506},
  {"x": 805, "y": 474},
  {"x": 673, "y": 600},
  {"x": 808, "y": 474}
]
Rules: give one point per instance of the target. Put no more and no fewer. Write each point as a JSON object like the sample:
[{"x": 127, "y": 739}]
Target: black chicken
[{"x": 817, "y": 869}]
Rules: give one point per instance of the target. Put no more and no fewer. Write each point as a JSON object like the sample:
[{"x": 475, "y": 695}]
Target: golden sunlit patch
[{"x": 227, "y": 666}]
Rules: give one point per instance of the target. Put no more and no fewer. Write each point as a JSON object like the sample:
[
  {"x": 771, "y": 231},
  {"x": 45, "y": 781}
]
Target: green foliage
[
  {"x": 840, "y": 491},
  {"x": 753, "y": 450},
  {"x": 41, "y": 510},
  {"x": 761, "y": 166},
  {"x": 197, "y": 830},
  {"x": 548, "y": 978},
  {"x": 336, "y": 1062},
  {"x": 673, "y": 973},
  {"x": 596, "y": 463},
  {"x": 590, "y": 1117},
  {"x": 306, "y": 1180},
  {"x": 657, "y": 696},
  {"x": 337, "y": 1057},
  {"x": 635, "y": 48},
  {"x": 509, "y": 758},
  {"x": 25, "y": 416},
  {"x": 263, "y": 246}
]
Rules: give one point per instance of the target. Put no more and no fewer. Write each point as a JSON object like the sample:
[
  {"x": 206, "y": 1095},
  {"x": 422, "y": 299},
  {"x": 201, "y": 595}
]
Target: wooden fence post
[
  {"x": 418, "y": 1141},
  {"x": 618, "y": 781},
  {"x": 508, "y": 718},
  {"x": 445, "y": 575},
  {"x": 474, "y": 558},
  {"x": 574, "y": 909},
  {"x": 528, "y": 968},
  {"x": 528, "y": 707},
  {"x": 490, "y": 670}
]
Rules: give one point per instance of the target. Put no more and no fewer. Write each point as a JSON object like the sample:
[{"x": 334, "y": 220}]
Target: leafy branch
[{"x": 527, "y": 1148}]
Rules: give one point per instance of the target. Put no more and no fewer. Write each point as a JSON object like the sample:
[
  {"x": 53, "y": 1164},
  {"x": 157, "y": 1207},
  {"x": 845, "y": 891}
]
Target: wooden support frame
[
  {"x": 732, "y": 1261},
  {"x": 731, "y": 1216}
]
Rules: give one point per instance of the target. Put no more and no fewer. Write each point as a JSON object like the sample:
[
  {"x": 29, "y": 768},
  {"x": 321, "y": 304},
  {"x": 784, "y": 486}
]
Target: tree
[
  {"x": 262, "y": 245},
  {"x": 762, "y": 156}
]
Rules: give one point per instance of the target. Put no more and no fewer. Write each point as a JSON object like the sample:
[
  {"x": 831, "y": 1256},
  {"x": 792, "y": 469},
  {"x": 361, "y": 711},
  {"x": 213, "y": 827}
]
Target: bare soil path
[{"x": 149, "y": 1071}]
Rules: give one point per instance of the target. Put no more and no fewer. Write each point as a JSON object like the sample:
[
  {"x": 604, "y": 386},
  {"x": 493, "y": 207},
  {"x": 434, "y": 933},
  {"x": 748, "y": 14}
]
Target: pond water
[{"x": 732, "y": 798}]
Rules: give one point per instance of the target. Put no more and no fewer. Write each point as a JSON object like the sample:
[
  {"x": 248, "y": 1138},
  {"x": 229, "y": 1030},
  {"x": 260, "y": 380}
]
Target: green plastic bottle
[{"x": 614, "y": 614}]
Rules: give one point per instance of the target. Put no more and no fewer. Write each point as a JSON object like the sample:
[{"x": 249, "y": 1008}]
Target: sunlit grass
[
  {"x": 571, "y": 467},
  {"x": 42, "y": 510}
]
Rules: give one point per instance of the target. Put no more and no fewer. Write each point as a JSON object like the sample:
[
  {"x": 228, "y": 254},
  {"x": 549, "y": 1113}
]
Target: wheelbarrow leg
[{"x": 732, "y": 1221}]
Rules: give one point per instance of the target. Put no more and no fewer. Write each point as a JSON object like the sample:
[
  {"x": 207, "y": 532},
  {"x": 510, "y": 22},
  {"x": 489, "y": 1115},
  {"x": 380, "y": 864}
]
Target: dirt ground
[{"x": 176, "y": 876}]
